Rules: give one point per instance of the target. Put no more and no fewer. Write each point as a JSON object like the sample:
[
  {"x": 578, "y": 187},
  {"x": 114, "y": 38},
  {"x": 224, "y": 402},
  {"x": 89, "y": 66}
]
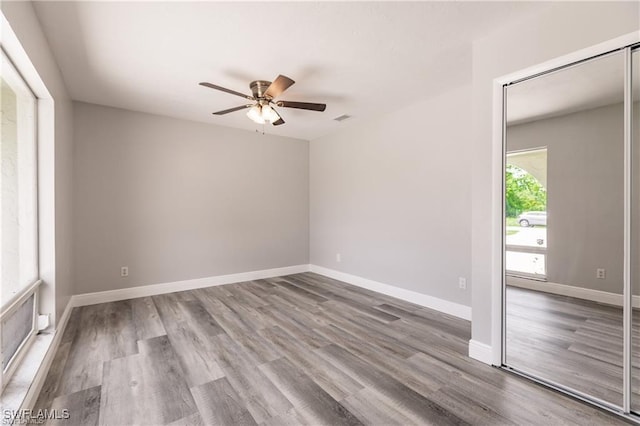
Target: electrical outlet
[
  {"x": 601, "y": 273},
  {"x": 338, "y": 258},
  {"x": 124, "y": 271},
  {"x": 462, "y": 283}
]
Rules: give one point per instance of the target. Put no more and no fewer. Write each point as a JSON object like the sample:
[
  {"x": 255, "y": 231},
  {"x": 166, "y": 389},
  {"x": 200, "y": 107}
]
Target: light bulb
[
  {"x": 255, "y": 114},
  {"x": 269, "y": 114}
]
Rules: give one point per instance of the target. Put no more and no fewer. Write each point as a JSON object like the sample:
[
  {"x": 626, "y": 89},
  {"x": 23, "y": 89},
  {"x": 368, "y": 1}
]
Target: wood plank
[
  {"x": 253, "y": 317},
  {"x": 241, "y": 292},
  {"x": 192, "y": 420},
  {"x": 83, "y": 408},
  {"x": 290, "y": 418},
  {"x": 332, "y": 380},
  {"x": 421, "y": 381},
  {"x": 146, "y": 388},
  {"x": 312, "y": 403},
  {"x": 190, "y": 338},
  {"x": 371, "y": 408},
  {"x": 390, "y": 340},
  {"x": 411, "y": 404},
  {"x": 260, "y": 288},
  {"x": 260, "y": 348},
  {"x": 106, "y": 332},
  {"x": 347, "y": 299},
  {"x": 301, "y": 292},
  {"x": 219, "y": 404},
  {"x": 428, "y": 318},
  {"x": 262, "y": 399},
  {"x": 146, "y": 319},
  {"x": 294, "y": 327}
]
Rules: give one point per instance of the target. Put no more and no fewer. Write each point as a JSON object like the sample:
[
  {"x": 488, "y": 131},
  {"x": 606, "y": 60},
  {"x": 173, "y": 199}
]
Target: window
[{"x": 18, "y": 217}]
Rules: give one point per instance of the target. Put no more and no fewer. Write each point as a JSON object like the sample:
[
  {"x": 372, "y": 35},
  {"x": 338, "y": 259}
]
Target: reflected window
[
  {"x": 530, "y": 264},
  {"x": 526, "y": 213}
]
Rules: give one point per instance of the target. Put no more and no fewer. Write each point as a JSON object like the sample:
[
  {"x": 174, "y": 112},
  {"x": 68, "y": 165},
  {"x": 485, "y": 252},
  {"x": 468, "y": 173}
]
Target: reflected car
[{"x": 532, "y": 219}]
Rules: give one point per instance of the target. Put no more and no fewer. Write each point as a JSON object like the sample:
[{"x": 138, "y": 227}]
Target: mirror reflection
[{"x": 564, "y": 227}]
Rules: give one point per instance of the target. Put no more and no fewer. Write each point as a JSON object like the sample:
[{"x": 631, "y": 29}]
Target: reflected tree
[{"x": 523, "y": 192}]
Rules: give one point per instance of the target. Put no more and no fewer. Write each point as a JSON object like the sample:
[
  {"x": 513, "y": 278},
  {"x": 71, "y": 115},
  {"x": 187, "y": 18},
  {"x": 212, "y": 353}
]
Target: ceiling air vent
[{"x": 342, "y": 117}]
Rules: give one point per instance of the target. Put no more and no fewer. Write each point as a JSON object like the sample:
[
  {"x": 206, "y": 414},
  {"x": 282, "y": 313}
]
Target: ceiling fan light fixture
[
  {"x": 255, "y": 114},
  {"x": 269, "y": 114}
]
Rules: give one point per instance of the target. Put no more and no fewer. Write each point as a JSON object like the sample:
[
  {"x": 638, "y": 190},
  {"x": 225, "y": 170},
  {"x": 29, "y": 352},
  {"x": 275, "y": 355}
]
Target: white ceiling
[
  {"x": 592, "y": 84},
  {"x": 360, "y": 58}
]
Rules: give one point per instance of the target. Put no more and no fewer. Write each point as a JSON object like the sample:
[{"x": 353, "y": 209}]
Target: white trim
[
  {"x": 628, "y": 181},
  {"x": 570, "y": 58},
  {"x": 445, "y": 306},
  {"x": 481, "y": 352},
  {"x": 16, "y": 53},
  {"x": 441, "y": 305},
  {"x": 497, "y": 222},
  {"x": 18, "y": 299},
  {"x": 171, "y": 287},
  {"x": 45, "y": 140},
  {"x": 38, "y": 381},
  {"x": 23, "y": 350},
  {"x": 572, "y": 291},
  {"x": 497, "y": 151}
]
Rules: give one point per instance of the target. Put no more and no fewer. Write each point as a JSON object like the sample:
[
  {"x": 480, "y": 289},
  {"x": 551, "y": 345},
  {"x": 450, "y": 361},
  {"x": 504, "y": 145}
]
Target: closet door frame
[{"x": 623, "y": 44}]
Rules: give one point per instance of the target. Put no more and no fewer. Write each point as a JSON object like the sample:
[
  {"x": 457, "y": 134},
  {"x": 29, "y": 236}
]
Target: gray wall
[
  {"x": 176, "y": 200},
  {"x": 55, "y": 165},
  {"x": 392, "y": 196},
  {"x": 523, "y": 44},
  {"x": 585, "y": 199}
]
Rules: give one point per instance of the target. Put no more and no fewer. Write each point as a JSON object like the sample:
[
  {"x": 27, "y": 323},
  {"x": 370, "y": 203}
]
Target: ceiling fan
[{"x": 264, "y": 93}]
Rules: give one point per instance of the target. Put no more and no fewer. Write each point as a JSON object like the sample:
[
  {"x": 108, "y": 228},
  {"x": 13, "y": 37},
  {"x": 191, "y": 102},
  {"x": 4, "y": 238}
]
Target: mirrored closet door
[{"x": 570, "y": 230}]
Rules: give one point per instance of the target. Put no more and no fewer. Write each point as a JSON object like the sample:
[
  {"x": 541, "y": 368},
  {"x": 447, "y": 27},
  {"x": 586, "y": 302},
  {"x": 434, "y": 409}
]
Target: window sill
[{"x": 16, "y": 390}]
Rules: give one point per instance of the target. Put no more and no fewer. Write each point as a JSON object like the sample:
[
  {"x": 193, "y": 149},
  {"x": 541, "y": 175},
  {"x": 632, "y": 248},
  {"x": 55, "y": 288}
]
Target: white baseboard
[
  {"x": 171, "y": 287},
  {"x": 480, "y": 352},
  {"x": 571, "y": 291},
  {"x": 38, "y": 381},
  {"x": 445, "y": 306}
]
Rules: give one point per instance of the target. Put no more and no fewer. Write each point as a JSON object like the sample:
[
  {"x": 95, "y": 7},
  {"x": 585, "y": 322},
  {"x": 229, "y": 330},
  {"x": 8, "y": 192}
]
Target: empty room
[{"x": 320, "y": 213}]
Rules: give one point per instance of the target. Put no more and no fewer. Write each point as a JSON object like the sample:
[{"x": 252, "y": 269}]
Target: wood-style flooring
[
  {"x": 576, "y": 343},
  {"x": 299, "y": 349}
]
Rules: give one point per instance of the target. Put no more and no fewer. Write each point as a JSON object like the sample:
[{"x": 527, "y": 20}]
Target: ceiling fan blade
[
  {"x": 302, "y": 105},
  {"x": 279, "y": 85},
  {"x": 227, "y": 111},
  {"x": 233, "y": 92},
  {"x": 279, "y": 121}
]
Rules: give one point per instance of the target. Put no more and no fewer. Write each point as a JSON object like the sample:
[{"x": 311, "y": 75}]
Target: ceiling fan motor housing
[{"x": 258, "y": 88}]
